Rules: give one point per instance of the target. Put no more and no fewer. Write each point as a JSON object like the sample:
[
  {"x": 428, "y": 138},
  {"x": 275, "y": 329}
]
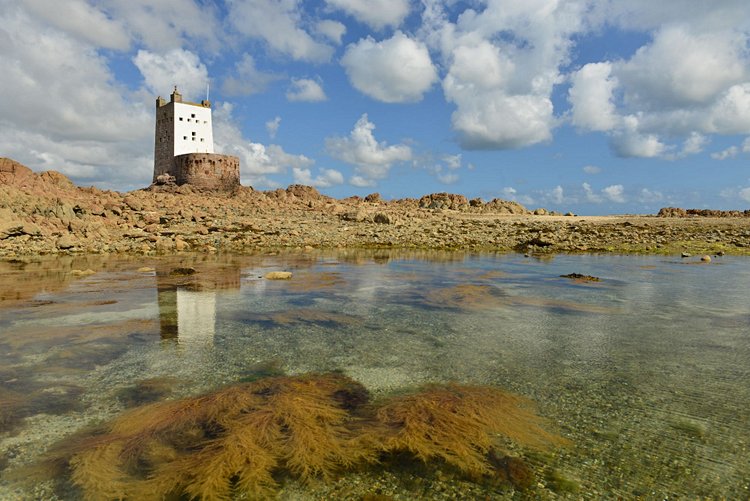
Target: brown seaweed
[
  {"x": 460, "y": 424},
  {"x": 206, "y": 447},
  {"x": 242, "y": 438}
]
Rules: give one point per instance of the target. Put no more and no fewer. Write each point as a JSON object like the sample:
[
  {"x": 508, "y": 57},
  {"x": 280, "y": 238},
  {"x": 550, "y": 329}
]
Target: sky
[{"x": 589, "y": 106}]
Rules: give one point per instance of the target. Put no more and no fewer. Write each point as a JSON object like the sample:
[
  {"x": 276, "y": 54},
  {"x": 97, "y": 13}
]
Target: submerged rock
[{"x": 278, "y": 275}]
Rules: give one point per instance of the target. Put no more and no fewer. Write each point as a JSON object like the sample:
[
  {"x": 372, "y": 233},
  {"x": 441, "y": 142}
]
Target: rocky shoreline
[{"x": 45, "y": 213}]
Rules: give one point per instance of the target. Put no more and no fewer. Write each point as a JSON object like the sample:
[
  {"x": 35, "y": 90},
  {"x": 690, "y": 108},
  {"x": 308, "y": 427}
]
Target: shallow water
[{"x": 646, "y": 372}]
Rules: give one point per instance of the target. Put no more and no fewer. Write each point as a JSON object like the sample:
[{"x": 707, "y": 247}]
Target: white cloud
[
  {"x": 83, "y": 21},
  {"x": 272, "y": 126},
  {"x": 326, "y": 178},
  {"x": 591, "y": 95},
  {"x": 503, "y": 63},
  {"x": 744, "y": 194},
  {"x": 257, "y": 161},
  {"x": 746, "y": 145},
  {"x": 730, "y": 152},
  {"x": 448, "y": 178},
  {"x": 249, "y": 79},
  {"x": 63, "y": 110},
  {"x": 278, "y": 23},
  {"x": 629, "y": 142},
  {"x": 694, "y": 144},
  {"x": 396, "y": 70},
  {"x": 510, "y": 193},
  {"x": 615, "y": 193},
  {"x": 590, "y": 195},
  {"x": 332, "y": 30},
  {"x": 167, "y": 24},
  {"x": 556, "y": 194},
  {"x": 372, "y": 159},
  {"x": 377, "y": 14},
  {"x": 682, "y": 68},
  {"x": 452, "y": 161},
  {"x": 591, "y": 169},
  {"x": 304, "y": 89},
  {"x": 691, "y": 80},
  {"x": 177, "y": 67},
  {"x": 646, "y": 196}
]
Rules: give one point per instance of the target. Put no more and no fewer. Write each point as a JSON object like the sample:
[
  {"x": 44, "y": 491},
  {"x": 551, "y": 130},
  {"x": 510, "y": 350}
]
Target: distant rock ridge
[
  {"x": 47, "y": 214},
  {"x": 678, "y": 212}
]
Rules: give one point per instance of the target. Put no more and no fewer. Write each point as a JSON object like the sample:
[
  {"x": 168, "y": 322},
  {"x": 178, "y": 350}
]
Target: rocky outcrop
[
  {"x": 677, "y": 212},
  {"x": 46, "y": 214}
]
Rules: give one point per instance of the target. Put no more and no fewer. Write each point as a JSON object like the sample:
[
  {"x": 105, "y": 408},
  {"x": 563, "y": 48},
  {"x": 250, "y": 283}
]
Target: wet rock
[
  {"x": 685, "y": 254},
  {"x": 582, "y": 278},
  {"x": 706, "y": 259},
  {"x": 278, "y": 275},
  {"x": 183, "y": 271}
]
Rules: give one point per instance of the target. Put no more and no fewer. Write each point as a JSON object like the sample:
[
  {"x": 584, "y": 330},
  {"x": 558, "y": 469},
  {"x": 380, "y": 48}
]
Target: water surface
[{"x": 646, "y": 372}]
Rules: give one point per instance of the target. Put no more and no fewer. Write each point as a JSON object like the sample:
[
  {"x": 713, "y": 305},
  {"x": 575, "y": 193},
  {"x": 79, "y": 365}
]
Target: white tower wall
[{"x": 193, "y": 132}]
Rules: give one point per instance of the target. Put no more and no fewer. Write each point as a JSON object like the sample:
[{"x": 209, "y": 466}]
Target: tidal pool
[{"x": 646, "y": 372}]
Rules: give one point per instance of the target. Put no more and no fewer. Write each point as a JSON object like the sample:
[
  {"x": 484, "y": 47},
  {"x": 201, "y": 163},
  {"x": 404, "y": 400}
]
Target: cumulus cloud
[
  {"x": 591, "y": 95},
  {"x": 247, "y": 78},
  {"x": 257, "y": 161},
  {"x": 305, "y": 89},
  {"x": 167, "y": 24},
  {"x": 443, "y": 168},
  {"x": 647, "y": 196},
  {"x": 272, "y": 126},
  {"x": 372, "y": 159},
  {"x": 591, "y": 169},
  {"x": 746, "y": 145},
  {"x": 590, "y": 195},
  {"x": 615, "y": 193},
  {"x": 502, "y": 65},
  {"x": 279, "y": 24},
  {"x": 177, "y": 67},
  {"x": 78, "y": 122},
  {"x": 744, "y": 194},
  {"x": 730, "y": 152},
  {"x": 510, "y": 193},
  {"x": 332, "y": 30},
  {"x": 326, "y": 178},
  {"x": 396, "y": 70},
  {"x": 83, "y": 21},
  {"x": 377, "y": 14},
  {"x": 682, "y": 68},
  {"x": 691, "y": 80},
  {"x": 556, "y": 195},
  {"x": 629, "y": 142}
]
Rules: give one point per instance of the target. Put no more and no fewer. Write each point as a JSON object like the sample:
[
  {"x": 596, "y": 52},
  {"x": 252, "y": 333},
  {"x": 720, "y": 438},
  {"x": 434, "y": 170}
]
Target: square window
[
  {"x": 184, "y": 137},
  {"x": 193, "y": 139},
  {"x": 201, "y": 140},
  {"x": 180, "y": 119},
  {"x": 193, "y": 133},
  {"x": 192, "y": 115}
]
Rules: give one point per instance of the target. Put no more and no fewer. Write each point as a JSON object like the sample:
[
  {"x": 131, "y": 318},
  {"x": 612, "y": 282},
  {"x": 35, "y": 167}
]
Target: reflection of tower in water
[{"x": 188, "y": 303}]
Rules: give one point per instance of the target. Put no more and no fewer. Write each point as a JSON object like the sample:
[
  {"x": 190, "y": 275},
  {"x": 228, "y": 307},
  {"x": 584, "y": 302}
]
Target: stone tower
[{"x": 184, "y": 147}]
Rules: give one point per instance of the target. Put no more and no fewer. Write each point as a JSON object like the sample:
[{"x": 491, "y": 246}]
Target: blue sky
[{"x": 593, "y": 106}]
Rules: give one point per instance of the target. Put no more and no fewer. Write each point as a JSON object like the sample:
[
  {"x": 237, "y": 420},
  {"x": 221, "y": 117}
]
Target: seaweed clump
[
  {"x": 236, "y": 438},
  {"x": 243, "y": 438},
  {"x": 459, "y": 425}
]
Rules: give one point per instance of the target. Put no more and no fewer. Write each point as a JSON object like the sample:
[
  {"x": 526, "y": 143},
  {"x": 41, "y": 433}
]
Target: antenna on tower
[{"x": 206, "y": 91}]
